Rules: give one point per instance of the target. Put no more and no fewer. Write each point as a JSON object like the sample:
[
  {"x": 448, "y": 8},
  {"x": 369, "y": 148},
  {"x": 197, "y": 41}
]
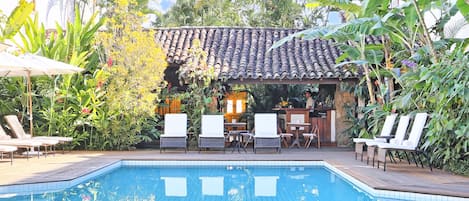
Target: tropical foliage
[
  {"x": 13, "y": 90},
  {"x": 9, "y": 26},
  {"x": 442, "y": 89},
  {"x": 56, "y": 101},
  {"x": 256, "y": 13},
  {"x": 134, "y": 76},
  {"x": 199, "y": 77},
  {"x": 407, "y": 42},
  {"x": 100, "y": 108}
]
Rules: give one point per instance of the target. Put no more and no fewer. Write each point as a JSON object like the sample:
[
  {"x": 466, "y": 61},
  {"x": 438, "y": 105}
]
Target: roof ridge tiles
[
  {"x": 242, "y": 52},
  {"x": 225, "y": 27}
]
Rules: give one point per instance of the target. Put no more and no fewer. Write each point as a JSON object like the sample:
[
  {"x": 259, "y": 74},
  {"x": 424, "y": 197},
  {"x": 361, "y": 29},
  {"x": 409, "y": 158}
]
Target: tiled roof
[{"x": 241, "y": 53}]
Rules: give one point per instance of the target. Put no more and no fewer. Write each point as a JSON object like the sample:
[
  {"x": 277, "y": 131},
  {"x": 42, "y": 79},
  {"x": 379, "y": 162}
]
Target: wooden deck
[{"x": 399, "y": 177}]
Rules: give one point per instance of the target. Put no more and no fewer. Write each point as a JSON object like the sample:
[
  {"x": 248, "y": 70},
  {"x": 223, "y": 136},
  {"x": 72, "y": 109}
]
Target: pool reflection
[{"x": 210, "y": 183}]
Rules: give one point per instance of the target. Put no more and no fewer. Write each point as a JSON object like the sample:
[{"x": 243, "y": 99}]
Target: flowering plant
[{"x": 283, "y": 103}]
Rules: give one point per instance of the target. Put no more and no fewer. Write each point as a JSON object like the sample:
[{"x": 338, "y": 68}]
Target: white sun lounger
[
  {"x": 212, "y": 132},
  {"x": 18, "y": 130},
  {"x": 8, "y": 149},
  {"x": 265, "y": 126},
  {"x": 6, "y": 140},
  {"x": 385, "y": 131},
  {"x": 175, "y": 132},
  {"x": 409, "y": 145},
  {"x": 398, "y": 137}
]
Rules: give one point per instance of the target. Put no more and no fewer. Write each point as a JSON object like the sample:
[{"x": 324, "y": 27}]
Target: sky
[{"x": 161, "y": 5}]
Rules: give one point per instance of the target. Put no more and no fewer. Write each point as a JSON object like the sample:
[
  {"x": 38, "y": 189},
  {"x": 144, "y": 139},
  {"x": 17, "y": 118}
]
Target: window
[
  {"x": 229, "y": 106},
  {"x": 239, "y": 106}
]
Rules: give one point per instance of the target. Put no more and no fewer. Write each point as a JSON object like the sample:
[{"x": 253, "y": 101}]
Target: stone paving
[{"x": 399, "y": 177}]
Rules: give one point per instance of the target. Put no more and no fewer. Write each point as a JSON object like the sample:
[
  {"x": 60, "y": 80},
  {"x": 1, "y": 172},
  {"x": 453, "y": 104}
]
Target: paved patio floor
[{"x": 400, "y": 176}]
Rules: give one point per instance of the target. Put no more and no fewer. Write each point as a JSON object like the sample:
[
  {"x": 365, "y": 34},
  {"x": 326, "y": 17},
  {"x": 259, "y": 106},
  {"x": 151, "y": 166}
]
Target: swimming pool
[{"x": 210, "y": 180}]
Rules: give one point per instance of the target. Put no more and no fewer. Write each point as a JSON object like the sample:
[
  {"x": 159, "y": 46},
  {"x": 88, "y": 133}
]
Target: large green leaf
[
  {"x": 342, "y": 57},
  {"x": 340, "y": 33},
  {"x": 33, "y": 37},
  {"x": 411, "y": 16},
  {"x": 463, "y": 6},
  {"x": 347, "y": 6},
  {"x": 356, "y": 26},
  {"x": 374, "y": 56},
  {"x": 307, "y": 34},
  {"x": 352, "y": 52},
  {"x": 356, "y": 62},
  {"x": 17, "y": 18},
  {"x": 369, "y": 7}
]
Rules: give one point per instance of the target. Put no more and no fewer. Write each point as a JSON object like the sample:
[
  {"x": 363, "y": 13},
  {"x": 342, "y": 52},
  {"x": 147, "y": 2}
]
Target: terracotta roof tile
[{"x": 241, "y": 53}]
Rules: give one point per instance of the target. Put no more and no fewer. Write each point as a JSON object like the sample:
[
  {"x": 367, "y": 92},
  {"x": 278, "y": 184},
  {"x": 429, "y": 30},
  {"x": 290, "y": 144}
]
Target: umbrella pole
[{"x": 30, "y": 94}]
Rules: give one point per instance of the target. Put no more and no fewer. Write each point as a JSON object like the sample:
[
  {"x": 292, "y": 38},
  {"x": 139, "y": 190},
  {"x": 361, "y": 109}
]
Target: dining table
[
  {"x": 297, "y": 133},
  {"x": 237, "y": 134}
]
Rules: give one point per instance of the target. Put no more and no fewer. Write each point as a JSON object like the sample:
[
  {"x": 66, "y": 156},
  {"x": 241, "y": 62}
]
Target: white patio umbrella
[{"x": 28, "y": 65}]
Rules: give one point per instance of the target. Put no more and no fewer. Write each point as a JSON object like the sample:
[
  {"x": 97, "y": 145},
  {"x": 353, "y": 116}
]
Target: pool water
[{"x": 210, "y": 183}]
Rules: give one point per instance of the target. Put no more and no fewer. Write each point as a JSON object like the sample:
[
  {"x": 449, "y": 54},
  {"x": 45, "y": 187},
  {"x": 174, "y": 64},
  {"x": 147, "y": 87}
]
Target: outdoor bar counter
[
  {"x": 326, "y": 123},
  {"x": 324, "y": 117}
]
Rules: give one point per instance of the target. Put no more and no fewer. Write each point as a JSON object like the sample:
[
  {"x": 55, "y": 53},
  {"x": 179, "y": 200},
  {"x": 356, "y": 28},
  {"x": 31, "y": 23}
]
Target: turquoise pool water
[
  {"x": 210, "y": 183},
  {"x": 216, "y": 181}
]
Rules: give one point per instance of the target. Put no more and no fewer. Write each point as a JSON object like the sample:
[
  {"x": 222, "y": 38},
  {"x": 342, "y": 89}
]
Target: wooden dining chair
[{"x": 309, "y": 137}]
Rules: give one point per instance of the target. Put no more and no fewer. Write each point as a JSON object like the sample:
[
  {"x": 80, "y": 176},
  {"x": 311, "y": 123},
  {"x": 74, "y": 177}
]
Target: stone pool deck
[{"x": 398, "y": 177}]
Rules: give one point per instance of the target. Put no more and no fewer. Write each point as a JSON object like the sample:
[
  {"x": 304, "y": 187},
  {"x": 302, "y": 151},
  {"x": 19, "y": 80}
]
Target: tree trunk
[
  {"x": 389, "y": 66},
  {"x": 369, "y": 84}
]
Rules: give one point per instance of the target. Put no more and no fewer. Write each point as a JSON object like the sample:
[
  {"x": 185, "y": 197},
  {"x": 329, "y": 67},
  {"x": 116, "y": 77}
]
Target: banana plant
[
  {"x": 72, "y": 46},
  {"x": 61, "y": 106},
  {"x": 16, "y": 20},
  {"x": 14, "y": 96},
  {"x": 403, "y": 34},
  {"x": 353, "y": 36}
]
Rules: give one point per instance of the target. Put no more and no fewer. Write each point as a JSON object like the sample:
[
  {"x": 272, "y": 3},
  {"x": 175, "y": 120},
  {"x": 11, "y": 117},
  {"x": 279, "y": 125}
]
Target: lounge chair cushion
[
  {"x": 265, "y": 125},
  {"x": 6, "y": 148},
  {"x": 175, "y": 125},
  {"x": 212, "y": 126},
  {"x": 395, "y": 146},
  {"x": 385, "y": 131},
  {"x": 365, "y": 140},
  {"x": 18, "y": 132}
]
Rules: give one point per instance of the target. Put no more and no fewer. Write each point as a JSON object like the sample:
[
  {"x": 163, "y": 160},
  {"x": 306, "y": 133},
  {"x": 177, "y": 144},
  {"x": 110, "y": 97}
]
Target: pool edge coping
[{"x": 376, "y": 192}]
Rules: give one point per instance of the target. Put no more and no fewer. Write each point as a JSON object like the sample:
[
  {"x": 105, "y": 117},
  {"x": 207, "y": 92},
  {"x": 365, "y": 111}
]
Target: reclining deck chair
[
  {"x": 18, "y": 132},
  {"x": 265, "y": 126},
  {"x": 386, "y": 131},
  {"x": 17, "y": 129},
  {"x": 409, "y": 145},
  {"x": 175, "y": 132},
  {"x": 212, "y": 132},
  {"x": 6, "y": 140},
  {"x": 398, "y": 138},
  {"x": 8, "y": 149}
]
